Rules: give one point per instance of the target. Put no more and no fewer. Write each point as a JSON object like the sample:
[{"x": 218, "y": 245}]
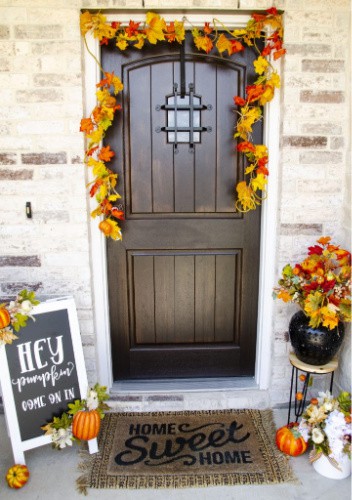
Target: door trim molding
[{"x": 268, "y": 241}]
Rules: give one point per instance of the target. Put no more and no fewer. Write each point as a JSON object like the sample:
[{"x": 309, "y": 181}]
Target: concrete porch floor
[{"x": 54, "y": 474}]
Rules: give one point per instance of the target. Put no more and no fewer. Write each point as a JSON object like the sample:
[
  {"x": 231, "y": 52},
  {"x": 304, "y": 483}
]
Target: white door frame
[{"x": 268, "y": 241}]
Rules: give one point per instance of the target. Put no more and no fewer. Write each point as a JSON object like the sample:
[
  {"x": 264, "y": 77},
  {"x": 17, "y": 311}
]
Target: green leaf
[
  {"x": 62, "y": 422},
  {"x": 19, "y": 322},
  {"x": 77, "y": 406}
]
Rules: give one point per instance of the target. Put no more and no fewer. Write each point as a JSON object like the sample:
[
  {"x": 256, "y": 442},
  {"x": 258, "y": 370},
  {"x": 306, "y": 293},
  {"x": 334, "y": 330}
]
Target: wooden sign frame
[{"x": 19, "y": 445}]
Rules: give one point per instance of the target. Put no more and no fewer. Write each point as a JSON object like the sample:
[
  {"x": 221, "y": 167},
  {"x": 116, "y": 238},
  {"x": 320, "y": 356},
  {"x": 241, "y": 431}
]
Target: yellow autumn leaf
[
  {"x": 275, "y": 80},
  {"x": 267, "y": 95},
  {"x": 96, "y": 136},
  {"x": 240, "y": 32},
  {"x": 260, "y": 65},
  {"x": 260, "y": 151},
  {"x": 156, "y": 26},
  {"x": 96, "y": 212},
  {"x": 223, "y": 44},
  {"x": 284, "y": 295},
  {"x": 114, "y": 197},
  {"x": 140, "y": 44},
  {"x": 330, "y": 318},
  {"x": 102, "y": 193},
  {"x": 246, "y": 198},
  {"x": 99, "y": 168},
  {"x": 117, "y": 84},
  {"x": 86, "y": 22},
  {"x": 259, "y": 182},
  {"x": 249, "y": 169},
  {"x": 179, "y": 31},
  {"x": 122, "y": 44}
]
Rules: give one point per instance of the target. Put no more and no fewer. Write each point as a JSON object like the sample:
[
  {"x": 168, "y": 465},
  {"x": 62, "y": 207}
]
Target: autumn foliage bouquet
[
  {"x": 14, "y": 315},
  {"x": 320, "y": 284},
  {"x": 326, "y": 424}
]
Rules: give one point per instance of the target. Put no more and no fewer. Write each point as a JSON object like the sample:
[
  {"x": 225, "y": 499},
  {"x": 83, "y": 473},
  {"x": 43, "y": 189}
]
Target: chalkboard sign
[{"x": 41, "y": 373}]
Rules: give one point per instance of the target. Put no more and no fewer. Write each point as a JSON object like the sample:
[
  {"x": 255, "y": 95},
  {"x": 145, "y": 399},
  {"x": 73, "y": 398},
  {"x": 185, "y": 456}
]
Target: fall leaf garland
[{"x": 249, "y": 108}]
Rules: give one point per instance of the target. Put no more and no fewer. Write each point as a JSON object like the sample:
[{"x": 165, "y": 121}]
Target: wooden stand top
[{"x": 305, "y": 367}]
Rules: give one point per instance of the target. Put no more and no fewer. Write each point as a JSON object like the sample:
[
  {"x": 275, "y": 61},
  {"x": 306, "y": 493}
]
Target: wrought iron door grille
[{"x": 183, "y": 117}]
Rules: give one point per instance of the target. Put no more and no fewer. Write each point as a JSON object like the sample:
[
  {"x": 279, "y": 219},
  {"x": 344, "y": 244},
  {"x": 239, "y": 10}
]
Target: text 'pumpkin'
[
  {"x": 290, "y": 441},
  {"x": 17, "y": 476},
  {"x": 86, "y": 425}
]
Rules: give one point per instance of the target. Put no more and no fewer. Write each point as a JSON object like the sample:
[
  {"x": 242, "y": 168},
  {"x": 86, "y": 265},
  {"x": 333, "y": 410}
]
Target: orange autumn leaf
[
  {"x": 207, "y": 28},
  {"x": 86, "y": 125},
  {"x": 106, "y": 154},
  {"x": 324, "y": 240},
  {"x": 203, "y": 43},
  {"x": 132, "y": 29}
]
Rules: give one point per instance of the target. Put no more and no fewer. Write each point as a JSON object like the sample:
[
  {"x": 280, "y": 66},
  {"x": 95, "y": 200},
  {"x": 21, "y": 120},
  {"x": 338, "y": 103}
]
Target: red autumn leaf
[
  {"x": 86, "y": 125},
  {"x": 239, "y": 101},
  {"x": 115, "y": 25},
  {"x": 254, "y": 92},
  {"x": 132, "y": 29},
  {"x": 236, "y": 46},
  {"x": 91, "y": 150},
  {"x": 95, "y": 187},
  {"x": 262, "y": 170},
  {"x": 104, "y": 41},
  {"x": 259, "y": 17},
  {"x": 106, "y": 207},
  {"x": 207, "y": 28},
  {"x": 245, "y": 147},
  {"x": 272, "y": 11},
  {"x": 267, "y": 50},
  {"x": 316, "y": 250},
  {"x": 279, "y": 53},
  {"x": 118, "y": 214},
  {"x": 106, "y": 154}
]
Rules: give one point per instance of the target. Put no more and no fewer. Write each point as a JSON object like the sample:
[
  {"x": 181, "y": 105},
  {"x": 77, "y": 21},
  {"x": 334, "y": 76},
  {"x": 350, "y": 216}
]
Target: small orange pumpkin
[
  {"x": 105, "y": 227},
  {"x": 5, "y": 318},
  {"x": 290, "y": 441},
  {"x": 17, "y": 476},
  {"x": 86, "y": 424}
]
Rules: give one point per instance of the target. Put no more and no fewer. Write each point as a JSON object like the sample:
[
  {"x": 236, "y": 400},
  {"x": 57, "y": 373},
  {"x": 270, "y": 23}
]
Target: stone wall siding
[{"x": 41, "y": 149}]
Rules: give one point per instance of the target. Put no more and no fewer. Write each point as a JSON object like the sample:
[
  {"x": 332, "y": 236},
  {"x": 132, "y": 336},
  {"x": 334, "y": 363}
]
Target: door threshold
[{"x": 183, "y": 385}]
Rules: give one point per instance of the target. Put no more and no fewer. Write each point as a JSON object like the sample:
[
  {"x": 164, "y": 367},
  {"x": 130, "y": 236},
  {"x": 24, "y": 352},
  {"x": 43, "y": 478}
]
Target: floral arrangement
[
  {"x": 15, "y": 314},
  {"x": 60, "y": 428},
  {"x": 326, "y": 424},
  {"x": 249, "y": 107},
  {"x": 320, "y": 284}
]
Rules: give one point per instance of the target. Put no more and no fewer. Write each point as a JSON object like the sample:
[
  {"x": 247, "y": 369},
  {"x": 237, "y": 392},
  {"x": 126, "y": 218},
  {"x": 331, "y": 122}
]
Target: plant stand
[{"x": 308, "y": 370}]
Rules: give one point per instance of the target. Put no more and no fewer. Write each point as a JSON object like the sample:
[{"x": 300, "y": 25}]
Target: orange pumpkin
[
  {"x": 290, "y": 441},
  {"x": 5, "y": 318},
  {"x": 17, "y": 476},
  {"x": 105, "y": 227},
  {"x": 86, "y": 424}
]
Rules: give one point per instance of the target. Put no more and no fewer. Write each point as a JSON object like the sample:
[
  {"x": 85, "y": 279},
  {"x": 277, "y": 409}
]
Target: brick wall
[{"x": 41, "y": 149}]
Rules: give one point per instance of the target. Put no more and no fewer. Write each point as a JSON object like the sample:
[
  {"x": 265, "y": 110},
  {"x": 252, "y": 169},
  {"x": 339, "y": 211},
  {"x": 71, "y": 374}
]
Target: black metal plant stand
[{"x": 308, "y": 370}]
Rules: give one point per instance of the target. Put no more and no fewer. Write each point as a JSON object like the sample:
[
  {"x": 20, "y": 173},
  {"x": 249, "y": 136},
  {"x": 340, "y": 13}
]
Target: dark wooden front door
[{"x": 183, "y": 284}]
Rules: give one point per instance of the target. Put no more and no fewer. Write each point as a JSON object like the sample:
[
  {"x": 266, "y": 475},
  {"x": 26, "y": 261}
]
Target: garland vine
[{"x": 213, "y": 36}]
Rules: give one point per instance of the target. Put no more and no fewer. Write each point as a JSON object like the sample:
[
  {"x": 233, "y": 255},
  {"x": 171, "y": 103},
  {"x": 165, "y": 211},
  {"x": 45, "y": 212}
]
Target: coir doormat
[{"x": 185, "y": 449}]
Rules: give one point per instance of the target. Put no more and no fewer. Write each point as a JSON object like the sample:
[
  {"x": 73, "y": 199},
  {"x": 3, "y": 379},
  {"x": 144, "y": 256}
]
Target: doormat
[{"x": 185, "y": 449}]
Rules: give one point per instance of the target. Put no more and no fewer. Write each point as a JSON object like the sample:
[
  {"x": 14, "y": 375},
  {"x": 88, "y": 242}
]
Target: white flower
[
  {"x": 62, "y": 437},
  {"x": 317, "y": 436},
  {"x": 92, "y": 400},
  {"x": 26, "y": 307}
]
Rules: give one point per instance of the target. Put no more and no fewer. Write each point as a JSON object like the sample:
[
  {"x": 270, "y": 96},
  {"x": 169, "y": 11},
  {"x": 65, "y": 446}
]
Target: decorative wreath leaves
[{"x": 250, "y": 191}]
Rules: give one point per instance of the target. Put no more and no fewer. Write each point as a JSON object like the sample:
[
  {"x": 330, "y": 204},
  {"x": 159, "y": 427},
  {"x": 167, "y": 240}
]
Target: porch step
[{"x": 181, "y": 395}]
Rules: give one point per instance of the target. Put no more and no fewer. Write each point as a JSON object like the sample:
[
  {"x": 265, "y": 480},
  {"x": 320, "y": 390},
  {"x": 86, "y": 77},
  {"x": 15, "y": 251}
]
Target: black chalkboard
[{"x": 43, "y": 371}]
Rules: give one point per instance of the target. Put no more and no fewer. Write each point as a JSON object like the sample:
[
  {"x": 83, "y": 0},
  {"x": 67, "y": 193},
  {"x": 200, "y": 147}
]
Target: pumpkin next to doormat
[
  {"x": 17, "y": 476},
  {"x": 290, "y": 441}
]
